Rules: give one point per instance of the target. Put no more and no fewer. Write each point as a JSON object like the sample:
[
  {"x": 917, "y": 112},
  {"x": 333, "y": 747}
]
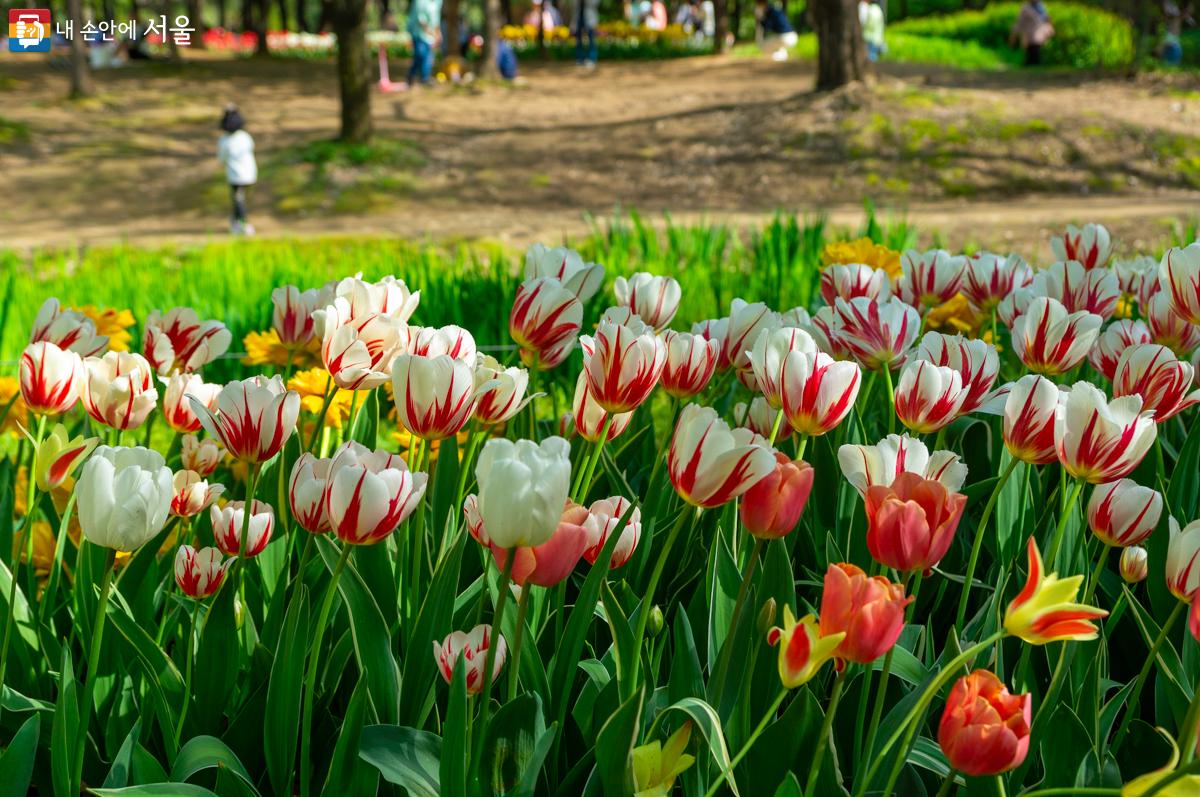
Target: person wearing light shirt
[{"x": 870, "y": 16}]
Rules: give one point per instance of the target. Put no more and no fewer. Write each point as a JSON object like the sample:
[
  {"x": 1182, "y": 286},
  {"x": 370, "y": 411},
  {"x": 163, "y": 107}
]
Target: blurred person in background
[
  {"x": 235, "y": 151},
  {"x": 1032, "y": 30},
  {"x": 654, "y": 15},
  {"x": 585, "y": 18},
  {"x": 424, "y": 25},
  {"x": 774, "y": 30},
  {"x": 1174, "y": 17},
  {"x": 870, "y": 17}
]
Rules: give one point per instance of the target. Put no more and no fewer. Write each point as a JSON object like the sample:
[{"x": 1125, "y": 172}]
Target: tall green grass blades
[
  {"x": 207, "y": 752},
  {"x": 372, "y": 645},
  {"x": 281, "y": 723},
  {"x": 16, "y": 763},
  {"x": 404, "y": 756},
  {"x": 614, "y": 747}
]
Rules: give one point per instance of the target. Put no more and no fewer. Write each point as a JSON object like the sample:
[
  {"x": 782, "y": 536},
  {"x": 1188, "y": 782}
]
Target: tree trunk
[
  {"x": 222, "y": 15},
  {"x": 196, "y": 16},
  {"x": 841, "y": 56},
  {"x": 262, "y": 14},
  {"x": 81, "y": 74},
  {"x": 301, "y": 17},
  {"x": 349, "y": 19},
  {"x": 491, "y": 38},
  {"x": 506, "y": 15},
  {"x": 736, "y": 17},
  {"x": 720, "y": 26},
  {"x": 283, "y": 15},
  {"x": 453, "y": 27}
]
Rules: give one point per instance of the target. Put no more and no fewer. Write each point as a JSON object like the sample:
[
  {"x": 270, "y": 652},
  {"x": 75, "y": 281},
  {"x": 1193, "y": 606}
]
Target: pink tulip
[{"x": 549, "y": 563}]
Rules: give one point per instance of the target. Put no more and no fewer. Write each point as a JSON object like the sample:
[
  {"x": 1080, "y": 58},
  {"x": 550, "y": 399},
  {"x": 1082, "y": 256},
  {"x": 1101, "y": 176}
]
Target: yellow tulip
[
  {"x": 1046, "y": 611},
  {"x": 655, "y": 765},
  {"x": 802, "y": 649}
]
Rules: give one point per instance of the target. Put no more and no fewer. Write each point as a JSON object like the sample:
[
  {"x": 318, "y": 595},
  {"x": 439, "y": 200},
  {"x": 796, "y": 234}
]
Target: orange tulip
[
  {"x": 985, "y": 728},
  {"x": 772, "y": 507},
  {"x": 911, "y": 523},
  {"x": 869, "y": 610}
]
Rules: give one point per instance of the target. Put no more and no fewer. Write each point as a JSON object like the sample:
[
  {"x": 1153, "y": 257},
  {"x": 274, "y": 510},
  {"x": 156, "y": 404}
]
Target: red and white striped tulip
[
  {"x": 227, "y": 524},
  {"x": 472, "y": 647},
  {"x": 1112, "y": 343},
  {"x": 1014, "y": 305},
  {"x": 565, "y": 265},
  {"x": 588, "y": 417},
  {"x": 545, "y": 321},
  {"x": 604, "y": 516},
  {"x": 389, "y": 296},
  {"x": 1179, "y": 273},
  {"x": 51, "y": 378},
  {"x": 930, "y": 278},
  {"x": 851, "y": 280},
  {"x": 880, "y": 464},
  {"x": 622, "y": 364},
  {"x": 759, "y": 417},
  {"x": 1183, "y": 560},
  {"x": 711, "y": 464},
  {"x": 1164, "y": 382},
  {"x": 1138, "y": 278},
  {"x": 253, "y": 418},
  {"x": 69, "y": 330},
  {"x": 306, "y": 493},
  {"x": 436, "y": 396},
  {"x": 928, "y": 396},
  {"x": 1168, "y": 328},
  {"x": 990, "y": 278},
  {"x": 292, "y": 314},
  {"x": 1124, "y": 512},
  {"x": 769, "y": 357},
  {"x": 202, "y": 456},
  {"x": 358, "y": 351},
  {"x": 746, "y": 323},
  {"x": 976, "y": 361},
  {"x": 369, "y": 493},
  {"x": 199, "y": 573},
  {"x": 453, "y": 341},
  {"x": 824, "y": 326},
  {"x": 1135, "y": 564},
  {"x": 193, "y": 494},
  {"x": 501, "y": 402},
  {"x": 818, "y": 391},
  {"x": 1100, "y": 440},
  {"x": 1089, "y": 245},
  {"x": 877, "y": 333},
  {"x": 118, "y": 389},
  {"x": 1096, "y": 291},
  {"x": 654, "y": 299},
  {"x": 691, "y": 362},
  {"x": 179, "y": 341},
  {"x": 474, "y": 520},
  {"x": 1029, "y": 417},
  {"x": 1050, "y": 340},
  {"x": 177, "y": 410}
]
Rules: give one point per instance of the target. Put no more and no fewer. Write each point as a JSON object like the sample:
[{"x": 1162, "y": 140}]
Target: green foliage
[{"x": 1085, "y": 37}]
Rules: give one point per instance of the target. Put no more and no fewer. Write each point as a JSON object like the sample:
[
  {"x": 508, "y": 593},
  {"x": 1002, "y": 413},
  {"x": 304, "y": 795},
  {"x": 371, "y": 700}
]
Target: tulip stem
[
  {"x": 775, "y": 427},
  {"x": 722, "y": 670},
  {"x": 1094, "y": 581},
  {"x": 310, "y": 678},
  {"x": 522, "y": 608},
  {"x": 835, "y": 698},
  {"x": 886, "y": 672},
  {"x": 1051, "y": 690},
  {"x": 947, "y": 784},
  {"x": 1132, "y": 702},
  {"x": 583, "y": 483},
  {"x": 737, "y": 759},
  {"x": 887, "y": 377},
  {"x": 330, "y": 390},
  {"x": 1068, "y": 509},
  {"x": 187, "y": 678},
  {"x": 1190, "y": 722},
  {"x": 93, "y": 661},
  {"x": 801, "y": 445},
  {"x": 474, "y": 439},
  {"x": 977, "y": 543},
  {"x": 648, "y": 599},
  {"x": 489, "y": 661},
  {"x": 908, "y": 726}
]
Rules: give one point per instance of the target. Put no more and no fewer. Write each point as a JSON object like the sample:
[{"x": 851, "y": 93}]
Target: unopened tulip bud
[
  {"x": 654, "y": 623},
  {"x": 1134, "y": 564},
  {"x": 766, "y": 616},
  {"x": 1124, "y": 512}
]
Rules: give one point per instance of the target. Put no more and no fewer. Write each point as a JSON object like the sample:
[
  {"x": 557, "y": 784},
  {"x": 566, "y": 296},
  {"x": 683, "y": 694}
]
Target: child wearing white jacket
[{"x": 235, "y": 150}]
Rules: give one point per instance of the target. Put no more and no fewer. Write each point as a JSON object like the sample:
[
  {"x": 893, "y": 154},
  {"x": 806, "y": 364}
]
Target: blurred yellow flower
[
  {"x": 956, "y": 316},
  {"x": 264, "y": 348},
  {"x": 865, "y": 251},
  {"x": 407, "y": 440},
  {"x": 43, "y": 548},
  {"x": 311, "y": 386},
  {"x": 1125, "y": 306},
  {"x": 10, "y": 389},
  {"x": 111, "y": 322}
]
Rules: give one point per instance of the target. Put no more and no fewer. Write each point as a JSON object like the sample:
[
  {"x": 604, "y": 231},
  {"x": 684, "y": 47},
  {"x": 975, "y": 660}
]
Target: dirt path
[{"x": 987, "y": 158}]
